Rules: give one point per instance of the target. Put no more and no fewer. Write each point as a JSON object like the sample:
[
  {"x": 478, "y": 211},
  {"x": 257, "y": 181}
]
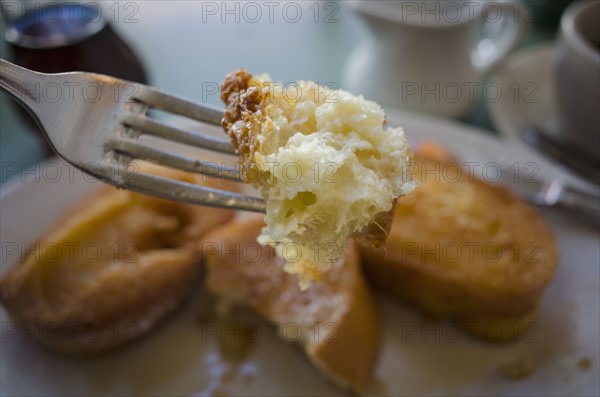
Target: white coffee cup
[
  {"x": 425, "y": 56},
  {"x": 577, "y": 71}
]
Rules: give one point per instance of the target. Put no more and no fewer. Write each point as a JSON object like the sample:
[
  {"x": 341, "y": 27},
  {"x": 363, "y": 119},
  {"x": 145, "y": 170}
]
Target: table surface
[{"x": 188, "y": 46}]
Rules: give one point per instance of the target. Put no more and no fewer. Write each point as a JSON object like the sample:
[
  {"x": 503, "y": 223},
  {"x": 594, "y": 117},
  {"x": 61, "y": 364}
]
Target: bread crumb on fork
[{"x": 325, "y": 164}]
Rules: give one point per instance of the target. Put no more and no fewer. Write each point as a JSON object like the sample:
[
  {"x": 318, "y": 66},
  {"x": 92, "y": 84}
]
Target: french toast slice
[
  {"x": 110, "y": 270},
  {"x": 466, "y": 249},
  {"x": 241, "y": 271}
]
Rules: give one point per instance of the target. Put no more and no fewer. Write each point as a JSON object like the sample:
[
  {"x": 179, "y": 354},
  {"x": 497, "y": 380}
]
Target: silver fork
[
  {"x": 555, "y": 192},
  {"x": 94, "y": 122}
]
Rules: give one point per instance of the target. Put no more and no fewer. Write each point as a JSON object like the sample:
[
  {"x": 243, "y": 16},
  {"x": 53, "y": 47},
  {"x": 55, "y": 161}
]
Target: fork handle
[
  {"x": 23, "y": 84},
  {"x": 585, "y": 203}
]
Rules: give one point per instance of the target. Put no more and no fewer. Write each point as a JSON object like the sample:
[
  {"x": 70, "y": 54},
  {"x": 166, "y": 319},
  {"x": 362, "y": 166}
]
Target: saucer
[
  {"x": 528, "y": 94},
  {"x": 526, "y": 110}
]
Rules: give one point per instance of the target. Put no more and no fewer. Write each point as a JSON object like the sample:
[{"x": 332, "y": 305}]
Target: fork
[
  {"x": 94, "y": 122},
  {"x": 555, "y": 193}
]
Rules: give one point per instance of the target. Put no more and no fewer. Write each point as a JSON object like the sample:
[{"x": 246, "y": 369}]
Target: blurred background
[{"x": 186, "y": 47}]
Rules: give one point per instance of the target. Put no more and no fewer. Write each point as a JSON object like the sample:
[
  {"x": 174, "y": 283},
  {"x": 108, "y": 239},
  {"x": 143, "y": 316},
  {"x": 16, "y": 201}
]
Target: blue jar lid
[{"x": 55, "y": 25}]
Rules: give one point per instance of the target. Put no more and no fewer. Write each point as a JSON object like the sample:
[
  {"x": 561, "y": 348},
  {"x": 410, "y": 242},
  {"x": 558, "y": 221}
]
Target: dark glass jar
[{"x": 65, "y": 37}]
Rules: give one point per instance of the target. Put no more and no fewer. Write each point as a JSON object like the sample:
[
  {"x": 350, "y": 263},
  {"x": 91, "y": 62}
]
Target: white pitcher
[{"x": 429, "y": 56}]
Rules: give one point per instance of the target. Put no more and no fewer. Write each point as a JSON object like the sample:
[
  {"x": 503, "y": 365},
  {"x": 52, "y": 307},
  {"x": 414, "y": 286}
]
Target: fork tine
[
  {"x": 187, "y": 192},
  {"x": 140, "y": 151},
  {"x": 184, "y": 107},
  {"x": 147, "y": 125}
]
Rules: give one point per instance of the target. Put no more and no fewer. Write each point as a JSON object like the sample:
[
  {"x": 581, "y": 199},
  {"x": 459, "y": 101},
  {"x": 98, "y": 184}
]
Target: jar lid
[{"x": 55, "y": 25}]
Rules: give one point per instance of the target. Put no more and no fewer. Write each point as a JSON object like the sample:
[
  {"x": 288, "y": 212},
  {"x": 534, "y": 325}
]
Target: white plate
[
  {"x": 528, "y": 92},
  {"x": 182, "y": 358}
]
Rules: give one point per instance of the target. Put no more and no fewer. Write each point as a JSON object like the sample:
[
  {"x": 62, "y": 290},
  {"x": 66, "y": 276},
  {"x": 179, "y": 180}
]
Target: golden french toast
[
  {"x": 323, "y": 160},
  {"x": 466, "y": 249},
  {"x": 110, "y": 270},
  {"x": 241, "y": 271}
]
